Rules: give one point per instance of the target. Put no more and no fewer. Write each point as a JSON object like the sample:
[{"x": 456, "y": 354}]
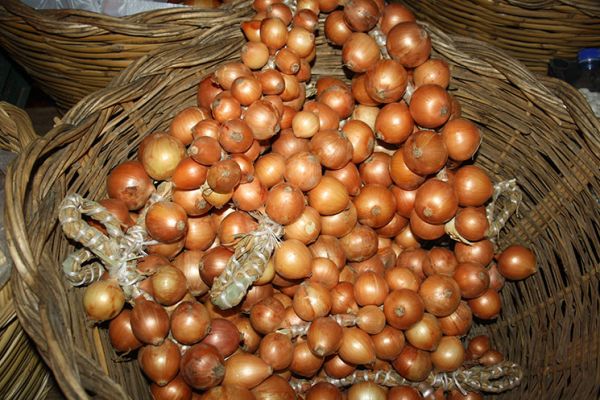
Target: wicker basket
[
  {"x": 72, "y": 53},
  {"x": 540, "y": 131},
  {"x": 533, "y": 31}
]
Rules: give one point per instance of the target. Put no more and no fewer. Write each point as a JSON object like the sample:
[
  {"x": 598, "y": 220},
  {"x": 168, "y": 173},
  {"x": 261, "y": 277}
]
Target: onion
[
  {"x": 245, "y": 370},
  {"x": 393, "y": 14},
  {"x": 292, "y": 259},
  {"x": 276, "y": 350},
  {"x": 130, "y": 183},
  {"x": 208, "y": 89},
  {"x": 359, "y": 91},
  {"x": 312, "y": 300},
  {"x": 190, "y": 323},
  {"x": 386, "y": 81},
  {"x": 323, "y": 391},
  {"x": 263, "y": 119},
  {"x": 436, "y": 202},
  {"x": 425, "y": 153},
  {"x": 201, "y": 233},
  {"x": 403, "y": 392},
  {"x": 325, "y": 272},
  {"x": 224, "y": 336},
  {"x": 394, "y": 124},
  {"x": 337, "y": 368},
  {"x": 441, "y": 261},
  {"x": 409, "y": 44},
  {"x": 303, "y": 170},
  {"x": 360, "y": 244},
  {"x": 402, "y": 278},
  {"x": 235, "y": 225},
  {"x": 348, "y": 176},
  {"x": 356, "y": 347},
  {"x": 189, "y": 174},
  {"x": 177, "y": 389},
  {"x": 425, "y": 230},
  {"x": 269, "y": 169},
  {"x": 517, "y": 262},
  {"x": 266, "y": 315},
  {"x": 339, "y": 98},
  {"x": 413, "y": 364},
  {"x": 373, "y": 264},
  {"x": 339, "y": 224},
  {"x": 402, "y": 175},
  {"x": 496, "y": 278},
  {"x": 415, "y": 260},
  {"x": 103, "y": 300},
  {"x": 250, "y": 338},
  {"x": 402, "y": 308},
  {"x": 168, "y": 250},
  {"x": 487, "y": 306},
  {"x": 336, "y": 29},
  {"x": 471, "y": 223},
  {"x": 361, "y": 137},
  {"x": 370, "y": 288},
  {"x": 305, "y": 124},
  {"x": 424, "y": 334},
  {"x": 472, "y": 279},
  {"x": 227, "y": 392},
  {"x": 332, "y": 147},
  {"x": 287, "y": 144},
  {"x": 329, "y": 247},
  {"x": 227, "y": 73},
  {"x": 491, "y": 357},
  {"x": 301, "y": 41},
  {"x": 120, "y": 333},
  {"x": 406, "y": 240},
  {"x": 370, "y": 319},
  {"x": 366, "y": 390},
  {"x": 274, "y": 388},
  {"x": 440, "y": 294},
  {"x": 160, "y": 363},
  {"x": 361, "y": 15},
  {"x": 457, "y": 395},
  {"x": 388, "y": 343},
  {"x": 479, "y": 345},
  {"x": 366, "y": 114},
  {"x": 324, "y": 336},
  {"x": 473, "y": 186},
  {"x": 481, "y": 252},
  {"x": 306, "y": 228},
  {"x": 459, "y": 322},
  {"x": 205, "y": 150},
  {"x": 119, "y": 210},
  {"x": 202, "y": 366},
  {"x": 256, "y": 294},
  {"x": 234, "y": 135},
  {"x": 225, "y": 107},
  {"x": 166, "y": 221},
  {"x": 182, "y": 125},
  {"x": 329, "y": 196},
  {"x": 360, "y": 52},
  {"x": 342, "y": 299},
  {"x": 328, "y": 119},
  {"x": 375, "y": 169},
  {"x": 375, "y": 205},
  {"x": 462, "y": 139},
  {"x": 254, "y": 55},
  {"x": 168, "y": 285},
  {"x": 271, "y": 81},
  {"x": 449, "y": 355},
  {"x": 213, "y": 263},
  {"x": 304, "y": 362}
]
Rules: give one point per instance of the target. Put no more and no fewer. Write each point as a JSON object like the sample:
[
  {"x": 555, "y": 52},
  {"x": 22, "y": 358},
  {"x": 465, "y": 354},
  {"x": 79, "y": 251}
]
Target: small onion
[
  {"x": 304, "y": 362},
  {"x": 360, "y": 244},
  {"x": 449, "y": 355},
  {"x": 276, "y": 350},
  {"x": 337, "y": 368},
  {"x": 360, "y": 52},
  {"x": 160, "y": 363},
  {"x": 274, "y": 388},
  {"x": 366, "y": 390},
  {"x": 386, "y": 81},
  {"x": 324, "y": 336},
  {"x": 408, "y": 43},
  {"x": 402, "y": 278},
  {"x": 376, "y": 169},
  {"x": 103, "y": 300},
  {"x": 168, "y": 285},
  {"x": 433, "y": 71},
  {"x": 440, "y": 294},
  {"x": 462, "y": 138},
  {"x": 336, "y": 29},
  {"x": 413, "y": 364},
  {"x": 224, "y": 336},
  {"x": 332, "y": 147},
  {"x": 356, "y": 347},
  {"x": 370, "y": 319},
  {"x": 436, "y": 202},
  {"x": 375, "y": 205},
  {"x": 402, "y": 308},
  {"x": 349, "y": 176},
  {"x": 402, "y": 175},
  {"x": 479, "y": 345},
  {"x": 190, "y": 323},
  {"x": 329, "y": 196},
  {"x": 189, "y": 174},
  {"x": 517, "y": 262},
  {"x": 370, "y": 288},
  {"x": 120, "y": 333},
  {"x": 491, "y": 357},
  {"x": 487, "y": 306},
  {"x": 162, "y": 153},
  {"x": 130, "y": 183},
  {"x": 306, "y": 228},
  {"x": 473, "y": 186},
  {"x": 312, "y": 300},
  {"x": 323, "y": 391},
  {"x": 424, "y": 334},
  {"x": 361, "y": 15},
  {"x": 266, "y": 315},
  {"x": 459, "y": 322},
  {"x": 425, "y": 153},
  {"x": 245, "y": 370},
  {"x": 481, "y": 252},
  {"x": 472, "y": 279},
  {"x": 292, "y": 259},
  {"x": 182, "y": 125},
  {"x": 202, "y": 366},
  {"x": 394, "y": 124},
  {"x": 177, "y": 389},
  {"x": 339, "y": 224}
]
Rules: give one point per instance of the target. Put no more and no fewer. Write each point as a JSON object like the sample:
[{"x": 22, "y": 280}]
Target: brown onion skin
[
  {"x": 409, "y": 44},
  {"x": 413, "y": 364},
  {"x": 323, "y": 391},
  {"x": 388, "y": 343},
  {"x": 430, "y": 106},
  {"x": 189, "y": 174},
  {"x": 356, "y": 347},
  {"x": 266, "y": 315},
  {"x": 457, "y": 395},
  {"x": 472, "y": 279},
  {"x": 306, "y": 228},
  {"x": 256, "y": 294},
  {"x": 329, "y": 247},
  {"x": 304, "y": 362},
  {"x": 312, "y": 300},
  {"x": 336, "y": 29},
  {"x": 166, "y": 221},
  {"x": 425, "y": 153},
  {"x": 394, "y": 124},
  {"x": 471, "y": 223},
  {"x": 245, "y": 370},
  {"x": 473, "y": 186},
  {"x": 433, "y": 71},
  {"x": 436, "y": 202},
  {"x": 287, "y": 144},
  {"x": 149, "y": 322},
  {"x": 274, "y": 388},
  {"x": 487, "y": 306},
  {"x": 481, "y": 252},
  {"x": 424, "y": 334},
  {"x": 228, "y": 392},
  {"x": 202, "y": 366},
  {"x": 120, "y": 333},
  {"x": 414, "y": 259},
  {"x": 169, "y": 285},
  {"x": 342, "y": 299},
  {"x": 292, "y": 259},
  {"x": 360, "y": 52},
  {"x": 386, "y": 81},
  {"x": 516, "y": 262},
  {"x": 479, "y": 345},
  {"x": 449, "y": 355},
  {"x": 324, "y": 336},
  {"x": 459, "y": 322},
  {"x": 276, "y": 350},
  {"x": 403, "y": 392},
  {"x": 361, "y": 15},
  {"x": 130, "y": 183},
  {"x": 402, "y": 278},
  {"x": 103, "y": 300},
  {"x": 496, "y": 279},
  {"x": 160, "y": 363},
  {"x": 402, "y": 175},
  {"x": 190, "y": 323},
  {"x": 207, "y": 90},
  {"x": 375, "y": 205},
  {"x": 349, "y": 176},
  {"x": 177, "y": 389},
  {"x": 224, "y": 336},
  {"x": 424, "y": 230},
  {"x": 332, "y": 147},
  {"x": 440, "y": 294},
  {"x": 213, "y": 263},
  {"x": 360, "y": 243},
  {"x": 370, "y": 289},
  {"x": 462, "y": 138},
  {"x": 441, "y": 261},
  {"x": 376, "y": 169},
  {"x": 366, "y": 390},
  {"x": 303, "y": 170},
  {"x": 402, "y": 308},
  {"x": 337, "y": 368}
]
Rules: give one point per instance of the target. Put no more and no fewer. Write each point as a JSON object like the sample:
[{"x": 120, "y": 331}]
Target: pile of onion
[{"x": 364, "y": 177}]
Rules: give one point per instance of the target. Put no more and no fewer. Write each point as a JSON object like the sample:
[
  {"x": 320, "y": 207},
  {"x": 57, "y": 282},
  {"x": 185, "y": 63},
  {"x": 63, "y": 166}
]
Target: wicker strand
[
  {"x": 494, "y": 379},
  {"x": 248, "y": 263}
]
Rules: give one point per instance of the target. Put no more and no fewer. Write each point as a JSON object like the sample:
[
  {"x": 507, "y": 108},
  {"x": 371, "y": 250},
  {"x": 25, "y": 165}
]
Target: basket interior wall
[{"x": 549, "y": 323}]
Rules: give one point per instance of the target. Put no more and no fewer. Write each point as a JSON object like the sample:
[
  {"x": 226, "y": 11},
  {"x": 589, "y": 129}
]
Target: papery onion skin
[
  {"x": 324, "y": 336},
  {"x": 245, "y": 370},
  {"x": 516, "y": 262},
  {"x": 224, "y": 336},
  {"x": 202, "y": 366},
  {"x": 103, "y": 300},
  {"x": 440, "y": 294},
  {"x": 120, "y": 333},
  {"x": 413, "y": 364},
  {"x": 409, "y": 43},
  {"x": 356, "y": 347},
  {"x": 130, "y": 183},
  {"x": 160, "y": 363}
]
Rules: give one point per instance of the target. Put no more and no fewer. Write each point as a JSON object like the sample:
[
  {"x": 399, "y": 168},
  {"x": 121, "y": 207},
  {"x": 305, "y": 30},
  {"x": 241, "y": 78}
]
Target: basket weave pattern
[
  {"x": 533, "y": 31},
  {"x": 72, "y": 53},
  {"x": 540, "y": 131}
]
